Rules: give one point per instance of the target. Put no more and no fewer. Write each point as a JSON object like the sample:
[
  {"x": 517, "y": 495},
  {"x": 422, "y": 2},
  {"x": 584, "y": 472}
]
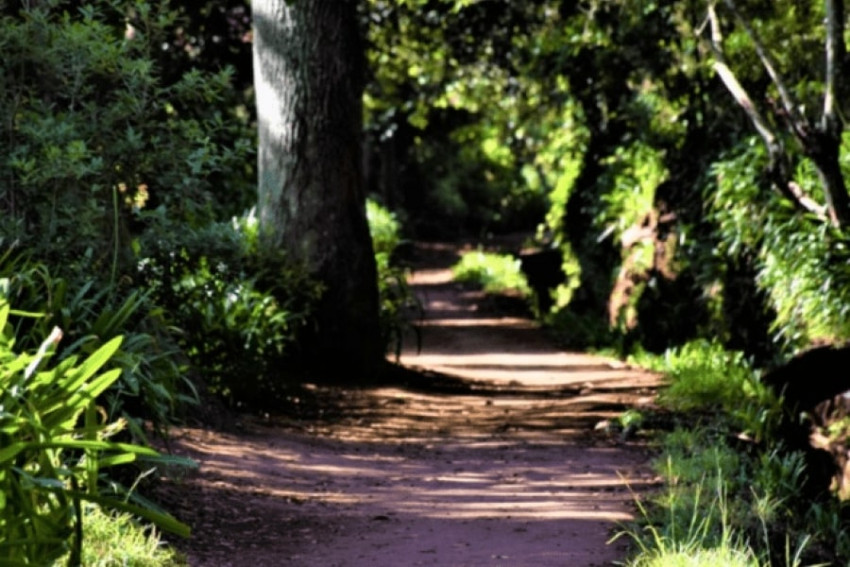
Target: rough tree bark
[{"x": 308, "y": 66}]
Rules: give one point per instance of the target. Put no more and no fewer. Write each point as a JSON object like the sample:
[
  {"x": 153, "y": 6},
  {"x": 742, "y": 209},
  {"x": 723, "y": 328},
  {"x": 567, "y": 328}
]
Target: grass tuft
[
  {"x": 117, "y": 540},
  {"x": 731, "y": 490},
  {"x": 495, "y": 273}
]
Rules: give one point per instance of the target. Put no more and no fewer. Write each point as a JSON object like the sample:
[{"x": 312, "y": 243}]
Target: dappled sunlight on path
[{"x": 497, "y": 461}]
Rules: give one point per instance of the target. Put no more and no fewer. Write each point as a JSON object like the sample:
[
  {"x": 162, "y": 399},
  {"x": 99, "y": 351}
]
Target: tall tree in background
[{"x": 308, "y": 69}]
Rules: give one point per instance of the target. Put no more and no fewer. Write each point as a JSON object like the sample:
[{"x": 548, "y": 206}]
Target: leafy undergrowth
[{"x": 731, "y": 492}]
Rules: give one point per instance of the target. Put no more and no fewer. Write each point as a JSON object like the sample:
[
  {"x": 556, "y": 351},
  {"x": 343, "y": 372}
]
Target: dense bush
[
  {"x": 92, "y": 139},
  {"x": 101, "y": 148},
  {"x": 706, "y": 377},
  {"x": 236, "y": 309},
  {"x": 494, "y": 273},
  {"x": 732, "y": 491},
  {"x": 801, "y": 260}
]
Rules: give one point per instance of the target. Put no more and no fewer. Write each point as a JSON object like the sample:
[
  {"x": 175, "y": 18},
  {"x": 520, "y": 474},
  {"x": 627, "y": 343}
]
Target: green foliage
[
  {"x": 696, "y": 533},
  {"x": 705, "y": 376},
  {"x": 92, "y": 138},
  {"x": 99, "y": 145},
  {"x": 54, "y": 445},
  {"x": 385, "y": 230},
  {"x": 152, "y": 382},
  {"x": 237, "y": 309},
  {"x": 719, "y": 504},
  {"x": 801, "y": 260},
  {"x": 397, "y": 301},
  {"x": 635, "y": 173},
  {"x": 448, "y": 102},
  {"x": 559, "y": 162},
  {"x": 494, "y": 273}
]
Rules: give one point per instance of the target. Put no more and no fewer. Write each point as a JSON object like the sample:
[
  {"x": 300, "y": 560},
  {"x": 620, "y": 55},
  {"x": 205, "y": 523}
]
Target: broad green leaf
[
  {"x": 162, "y": 520},
  {"x": 115, "y": 460},
  {"x": 65, "y": 412},
  {"x": 10, "y": 452},
  {"x": 94, "y": 362}
]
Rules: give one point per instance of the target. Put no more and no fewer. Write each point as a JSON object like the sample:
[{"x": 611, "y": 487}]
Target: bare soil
[{"x": 492, "y": 454}]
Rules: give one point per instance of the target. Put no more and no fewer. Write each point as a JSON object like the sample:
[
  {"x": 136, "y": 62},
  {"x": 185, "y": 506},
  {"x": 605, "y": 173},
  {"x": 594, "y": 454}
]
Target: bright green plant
[
  {"x": 153, "y": 382},
  {"x": 54, "y": 444},
  {"x": 704, "y": 375},
  {"x": 802, "y": 261},
  {"x": 494, "y": 273},
  {"x": 719, "y": 498},
  {"x": 398, "y": 303},
  {"x": 100, "y": 143},
  {"x": 720, "y": 506},
  {"x": 697, "y": 533},
  {"x": 385, "y": 230}
]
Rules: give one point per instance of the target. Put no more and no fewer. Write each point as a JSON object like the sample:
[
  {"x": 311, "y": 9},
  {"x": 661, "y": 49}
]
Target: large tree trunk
[{"x": 308, "y": 65}]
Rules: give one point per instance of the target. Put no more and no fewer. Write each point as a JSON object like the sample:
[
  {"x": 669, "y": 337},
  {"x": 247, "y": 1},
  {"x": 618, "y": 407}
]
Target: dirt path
[{"x": 497, "y": 463}]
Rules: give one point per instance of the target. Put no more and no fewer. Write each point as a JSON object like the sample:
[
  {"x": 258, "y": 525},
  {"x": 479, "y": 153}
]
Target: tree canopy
[{"x": 685, "y": 160}]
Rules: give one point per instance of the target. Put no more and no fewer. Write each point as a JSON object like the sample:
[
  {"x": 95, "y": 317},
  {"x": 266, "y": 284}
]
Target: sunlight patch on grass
[
  {"x": 113, "y": 540},
  {"x": 721, "y": 557},
  {"x": 495, "y": 273}
]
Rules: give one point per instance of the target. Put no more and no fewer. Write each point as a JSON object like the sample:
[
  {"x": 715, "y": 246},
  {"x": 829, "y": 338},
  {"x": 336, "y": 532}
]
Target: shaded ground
[{"x": 491, "y": 458}]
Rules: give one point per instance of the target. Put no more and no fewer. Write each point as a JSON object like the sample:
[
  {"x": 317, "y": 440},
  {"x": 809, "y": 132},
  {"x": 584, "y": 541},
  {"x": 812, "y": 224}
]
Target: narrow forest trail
[{"x": 494, "y": 461}]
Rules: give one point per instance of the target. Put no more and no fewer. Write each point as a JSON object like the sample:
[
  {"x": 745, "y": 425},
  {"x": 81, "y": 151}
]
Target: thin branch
[
  {"x": 799, "y": 123},
  {"x": 734, "y": 86},
  {"x": 820, "y": 211},
  {"x": 776, "y": 149}
]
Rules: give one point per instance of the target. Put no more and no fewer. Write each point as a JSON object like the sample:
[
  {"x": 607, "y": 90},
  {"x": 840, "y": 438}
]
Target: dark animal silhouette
[{"x": 544, "y": 272}]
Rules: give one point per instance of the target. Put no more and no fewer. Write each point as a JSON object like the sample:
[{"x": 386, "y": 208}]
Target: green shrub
[
  {"x": 729, "y": 486},
  {"x": 385, "y": 230},
  {"x": 92, "y": 138},
  {"x": 236, "y": 309},
  {"x": 704, "y": 376},
  {"x": 53, "y": 446},
  {"x": 691, "y": 526},
  {"x": 494, "y": 273},
  {"x": 801, "y": 260}
]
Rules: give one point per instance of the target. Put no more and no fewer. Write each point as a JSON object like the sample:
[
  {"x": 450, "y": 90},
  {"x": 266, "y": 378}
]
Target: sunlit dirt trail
[{"x": 491, "y": 458}]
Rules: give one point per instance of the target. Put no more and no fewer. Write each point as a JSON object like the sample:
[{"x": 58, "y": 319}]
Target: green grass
[
  {"x": 721, "y": 557},
  {"x": 117, "y": 540},
  {"x": 727, "y": 500},
  {"x": 494, "y": 273}
]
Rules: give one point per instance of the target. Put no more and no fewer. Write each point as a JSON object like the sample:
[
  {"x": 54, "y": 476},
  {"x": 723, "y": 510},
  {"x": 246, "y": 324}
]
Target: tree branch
[
  {"x": 800, "y": 125},
  {"x": 776, "y": 150},
  {"x": 734, "y": 86}
]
